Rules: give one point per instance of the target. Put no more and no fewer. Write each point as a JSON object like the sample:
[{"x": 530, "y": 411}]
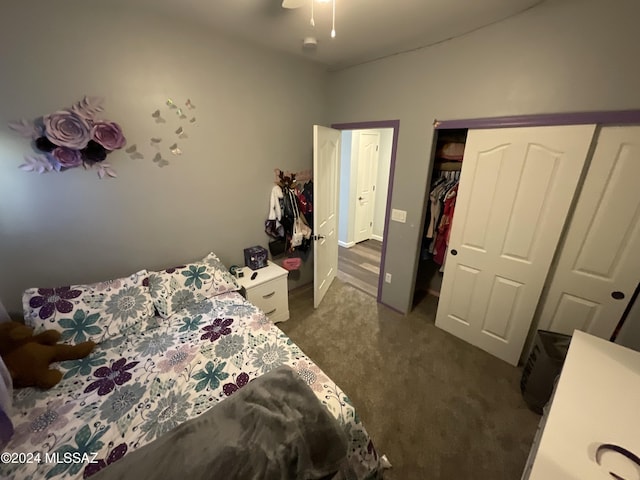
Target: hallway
[{"x": 360, "y": 265}]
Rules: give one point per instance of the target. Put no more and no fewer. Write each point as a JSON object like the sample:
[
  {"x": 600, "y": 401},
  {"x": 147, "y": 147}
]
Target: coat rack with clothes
[{"x": 290, "y": 213}]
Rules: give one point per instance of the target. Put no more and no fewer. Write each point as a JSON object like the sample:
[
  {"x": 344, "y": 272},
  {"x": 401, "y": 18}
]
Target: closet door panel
[
  {"x": 466, "y": 281},
  {"x": 534, "y": 194},
  {"x": 601, "y": 252},
  {"x": 483, "y": 189},
  {"x": 515, "y": 191},
  {"x": 502, "y": 301}
]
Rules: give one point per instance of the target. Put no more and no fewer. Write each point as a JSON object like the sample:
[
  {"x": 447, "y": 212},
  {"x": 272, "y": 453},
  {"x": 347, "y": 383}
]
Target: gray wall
[
  {"x": 254, "y": 113},
  {"x": 564, "y": 55}
]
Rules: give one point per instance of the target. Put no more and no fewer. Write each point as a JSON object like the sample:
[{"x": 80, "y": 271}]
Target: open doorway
[{"x": 365, "y": 168}]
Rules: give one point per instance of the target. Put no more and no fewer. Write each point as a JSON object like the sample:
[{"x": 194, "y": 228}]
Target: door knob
[
  {"x": 360, "y": 198},
  {"x": 617, "y": 295},
  {"x": 454, "y": 252}
]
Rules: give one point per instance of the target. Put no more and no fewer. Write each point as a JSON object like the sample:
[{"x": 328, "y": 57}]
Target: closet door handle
[
  {"x": 617, "y": 295},
  {"x": 360, "y": 198},
  {"x": 454, "y": 252}
]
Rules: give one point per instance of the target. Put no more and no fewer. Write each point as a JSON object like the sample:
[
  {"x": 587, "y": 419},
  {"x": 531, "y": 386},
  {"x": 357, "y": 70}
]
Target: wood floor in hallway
[{"x": 360, "y": 265}]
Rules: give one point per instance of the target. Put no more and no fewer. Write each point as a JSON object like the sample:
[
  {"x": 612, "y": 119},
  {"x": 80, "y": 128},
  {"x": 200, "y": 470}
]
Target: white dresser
[
  {"x": 268, "y": 290},
  {"x": 591, "y": 428}
]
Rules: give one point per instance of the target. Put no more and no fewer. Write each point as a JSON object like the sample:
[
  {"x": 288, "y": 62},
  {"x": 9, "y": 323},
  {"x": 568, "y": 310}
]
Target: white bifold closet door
[
  {"x": 598, "y": 268},
  {"x": 516, "y": 188}
]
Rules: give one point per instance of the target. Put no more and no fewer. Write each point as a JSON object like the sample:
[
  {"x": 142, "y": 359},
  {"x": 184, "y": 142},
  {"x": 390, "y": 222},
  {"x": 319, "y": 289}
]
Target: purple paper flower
[
  {"x": 88, "y": 107},
  {"x": 108, "y": 378},
  {"x": 108, "y": 134},
  {"x": 44, "y": 144},
  {"x": 67, "y": 157},
  {"x": 52, "y": 299},
  {"x": 218, "y": 328},
  {"x": 94, "y": 152},
  {"x": 67, "y": 129}
]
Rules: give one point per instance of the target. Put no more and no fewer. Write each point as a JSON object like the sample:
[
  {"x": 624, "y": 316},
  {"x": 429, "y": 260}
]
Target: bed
[{"x": 170, "y": 346}]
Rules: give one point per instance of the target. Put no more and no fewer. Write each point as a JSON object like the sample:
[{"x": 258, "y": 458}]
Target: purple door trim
[
  {"x": 395, "y": 124},
  {"x": 621, "y": 117}
]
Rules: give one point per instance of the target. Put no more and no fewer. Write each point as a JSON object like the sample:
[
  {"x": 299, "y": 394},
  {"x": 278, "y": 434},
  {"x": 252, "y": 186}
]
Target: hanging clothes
[
  {"x": 434, "y": 207},
  {"x": 275, "y": 207},
  {"x": 273, "y": 226},
  {"x": 307, "y": 193},
  {"x": 444, "y": 229},
  {"x": 437, "y": 205},
  {"x": 439, "y": 213},
  {"x": 289, "y": 211}
]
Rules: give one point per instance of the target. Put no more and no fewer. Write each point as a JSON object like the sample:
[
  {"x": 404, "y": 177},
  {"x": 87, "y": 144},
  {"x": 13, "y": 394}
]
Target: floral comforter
[{"x": 134, "y": 388}]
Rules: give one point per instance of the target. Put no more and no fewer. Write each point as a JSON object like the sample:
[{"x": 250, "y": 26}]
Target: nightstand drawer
[
  {"x": 271, "y": 297},
  {"x": 267, "y": 290}
]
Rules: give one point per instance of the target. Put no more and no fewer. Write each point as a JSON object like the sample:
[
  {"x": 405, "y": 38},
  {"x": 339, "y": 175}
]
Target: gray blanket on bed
[{"x": 273, "y": 428}]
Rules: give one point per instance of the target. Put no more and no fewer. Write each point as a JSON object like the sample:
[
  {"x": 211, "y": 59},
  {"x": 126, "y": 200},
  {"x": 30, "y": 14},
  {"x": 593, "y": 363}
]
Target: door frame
[
  {"x": 609, "y": 118},
  {"x": 395, "y": 125}
]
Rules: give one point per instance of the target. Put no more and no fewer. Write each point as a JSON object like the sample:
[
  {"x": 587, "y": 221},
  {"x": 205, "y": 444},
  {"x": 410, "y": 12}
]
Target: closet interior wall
[{"x": 447, "y": 164}]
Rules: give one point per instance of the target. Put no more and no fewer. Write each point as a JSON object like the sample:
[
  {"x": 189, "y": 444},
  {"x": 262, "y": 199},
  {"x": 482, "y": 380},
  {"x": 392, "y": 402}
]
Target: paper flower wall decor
[{"x": 70, "y": 138}]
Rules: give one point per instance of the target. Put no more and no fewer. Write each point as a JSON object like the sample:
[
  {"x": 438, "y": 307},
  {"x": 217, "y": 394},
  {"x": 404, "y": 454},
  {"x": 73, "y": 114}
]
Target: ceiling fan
[{"x": 292, "y": 4}]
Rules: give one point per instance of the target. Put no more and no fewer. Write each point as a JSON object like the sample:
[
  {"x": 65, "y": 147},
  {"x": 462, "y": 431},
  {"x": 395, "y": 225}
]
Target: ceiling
[{"x": 365, "y": 29}]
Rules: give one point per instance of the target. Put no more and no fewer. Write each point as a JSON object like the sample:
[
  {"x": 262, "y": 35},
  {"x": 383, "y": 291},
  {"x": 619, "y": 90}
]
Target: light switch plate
[{"x": 399, "y": 215}]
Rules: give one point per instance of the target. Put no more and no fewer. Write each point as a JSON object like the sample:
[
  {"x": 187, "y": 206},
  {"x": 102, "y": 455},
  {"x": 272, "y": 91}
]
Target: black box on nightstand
[{"x": 255, "y": 257}]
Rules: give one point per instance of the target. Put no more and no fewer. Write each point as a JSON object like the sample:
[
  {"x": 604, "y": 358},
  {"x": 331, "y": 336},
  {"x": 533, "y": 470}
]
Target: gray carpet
[{"x": 436, "y": 406}]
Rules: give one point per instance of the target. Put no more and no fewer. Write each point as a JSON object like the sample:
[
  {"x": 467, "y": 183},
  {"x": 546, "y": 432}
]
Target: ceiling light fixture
[
  {"x": 313, "y": 23},
  {"x": 333, "y": 17},
  {"x": 333, "y": 21}
]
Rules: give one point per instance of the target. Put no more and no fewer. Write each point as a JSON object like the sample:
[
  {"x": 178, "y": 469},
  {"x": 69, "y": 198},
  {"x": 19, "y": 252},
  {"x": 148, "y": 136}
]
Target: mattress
[{"x": 133, "y": 389}]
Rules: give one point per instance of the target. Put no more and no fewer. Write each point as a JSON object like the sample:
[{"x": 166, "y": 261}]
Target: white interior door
[
  {"x": 601, "y": 253},
  {"x": 367, "y": 172},
  {"x": 326, "y": 173},
  {"x": 516, "y": 187}
]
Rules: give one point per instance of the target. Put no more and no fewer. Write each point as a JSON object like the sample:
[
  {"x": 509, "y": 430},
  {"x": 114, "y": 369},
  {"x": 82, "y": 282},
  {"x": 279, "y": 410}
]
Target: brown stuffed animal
[{"x": 28, "y": 356}]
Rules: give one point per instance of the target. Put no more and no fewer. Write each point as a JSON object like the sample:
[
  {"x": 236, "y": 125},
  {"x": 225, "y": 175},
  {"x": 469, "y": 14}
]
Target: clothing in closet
[
  {"x": 444, "y": 228},
  {"x": 442, "y": 199}
]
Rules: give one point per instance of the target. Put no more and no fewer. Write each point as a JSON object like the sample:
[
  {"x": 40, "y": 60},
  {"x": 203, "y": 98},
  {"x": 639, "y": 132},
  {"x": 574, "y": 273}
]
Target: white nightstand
[{"x": 268, "y": 291}]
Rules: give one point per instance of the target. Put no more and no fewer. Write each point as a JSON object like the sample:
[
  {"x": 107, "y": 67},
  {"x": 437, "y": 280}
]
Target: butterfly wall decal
[
  {"x": 189, "y": 105},
  {"x": 158, "y": 160},
  {"x": 181, "y": 133},
  {"x": 175, "y": 149},
  {"x": 155, "y": 142},
  {"x": 158, "y": 117},
  {"x": 133, "y": 152}
]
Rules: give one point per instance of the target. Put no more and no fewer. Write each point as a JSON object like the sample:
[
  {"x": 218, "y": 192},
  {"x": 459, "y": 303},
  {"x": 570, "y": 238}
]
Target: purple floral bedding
[{"x": 136, "y": 387}]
